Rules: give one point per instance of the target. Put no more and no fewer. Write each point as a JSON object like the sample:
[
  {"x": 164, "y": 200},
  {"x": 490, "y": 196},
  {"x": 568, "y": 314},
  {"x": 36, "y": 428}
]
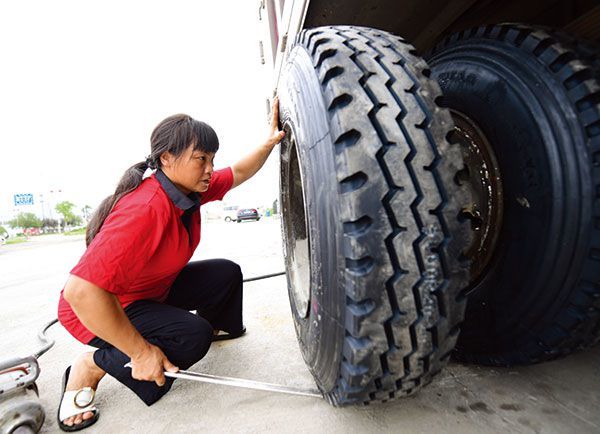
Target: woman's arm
[
  {"x": 102, "y": 314},
  {"x": 249, "y": 165}
]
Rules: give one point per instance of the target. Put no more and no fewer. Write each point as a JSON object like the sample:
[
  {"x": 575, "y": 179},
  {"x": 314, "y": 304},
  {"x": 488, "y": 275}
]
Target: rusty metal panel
[
  {"x": 406, "y": 17},
  {"x": 425, "y": 22},
  {"x": 586, "y": 26}
]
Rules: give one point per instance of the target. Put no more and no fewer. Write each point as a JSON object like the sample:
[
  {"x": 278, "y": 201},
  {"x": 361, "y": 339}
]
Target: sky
[{"x": 82, "y": 85}]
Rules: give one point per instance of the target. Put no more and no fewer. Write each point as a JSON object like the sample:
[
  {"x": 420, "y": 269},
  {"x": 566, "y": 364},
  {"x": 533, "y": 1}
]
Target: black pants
[{"x": 213, "y": 288}]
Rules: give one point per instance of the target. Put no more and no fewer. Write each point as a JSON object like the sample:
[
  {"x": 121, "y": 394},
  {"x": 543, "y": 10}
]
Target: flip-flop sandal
[
  {"x": 74, "y": 402},
  {"x": 223, "y": 336}
]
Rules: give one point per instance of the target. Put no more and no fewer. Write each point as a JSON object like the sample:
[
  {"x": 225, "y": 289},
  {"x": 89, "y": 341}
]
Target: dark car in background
[{"x": 247, "y": 214}]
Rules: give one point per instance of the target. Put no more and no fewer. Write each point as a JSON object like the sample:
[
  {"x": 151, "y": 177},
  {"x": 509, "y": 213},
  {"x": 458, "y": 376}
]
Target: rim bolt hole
[
  {"x": 476, "y": 223},
  {"x": 473, "y": 215},
  {"x": 462, "y": 176},
  {"x": 453, "y": 137}
]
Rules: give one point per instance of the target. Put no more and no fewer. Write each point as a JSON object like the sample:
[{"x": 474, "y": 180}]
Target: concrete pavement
[{"x": 556, "y": 397}]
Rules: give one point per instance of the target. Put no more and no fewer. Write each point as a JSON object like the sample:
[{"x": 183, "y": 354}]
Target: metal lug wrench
[{"x": 239, "y": 382}]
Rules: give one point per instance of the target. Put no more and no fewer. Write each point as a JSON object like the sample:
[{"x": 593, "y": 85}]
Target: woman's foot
[
  {"x": 84, "y": 373},
  {"x": 220, "y": 335}
]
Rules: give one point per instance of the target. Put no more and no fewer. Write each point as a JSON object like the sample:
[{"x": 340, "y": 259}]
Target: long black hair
[{"x": 174, "y": 134}]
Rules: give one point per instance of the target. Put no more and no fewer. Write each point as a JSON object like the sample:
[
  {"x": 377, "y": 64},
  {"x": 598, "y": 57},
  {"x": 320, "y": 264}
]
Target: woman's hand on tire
[
  {"x": 275, "y": 134},
  {"x": 150, "y": 364}
]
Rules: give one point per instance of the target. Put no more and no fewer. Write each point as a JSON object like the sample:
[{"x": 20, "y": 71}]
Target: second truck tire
[
  {"x": 372, "y": 230},
  {"x": 528, "y": 101}
]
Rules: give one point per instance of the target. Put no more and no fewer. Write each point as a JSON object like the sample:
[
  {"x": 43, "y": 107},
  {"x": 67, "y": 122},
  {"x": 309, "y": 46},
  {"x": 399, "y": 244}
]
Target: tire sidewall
[{"x": 302, "y": 110}]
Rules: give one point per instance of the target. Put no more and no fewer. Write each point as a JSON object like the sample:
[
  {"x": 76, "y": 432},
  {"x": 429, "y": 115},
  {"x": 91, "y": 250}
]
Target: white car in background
[{"x": 230, "y": 213}]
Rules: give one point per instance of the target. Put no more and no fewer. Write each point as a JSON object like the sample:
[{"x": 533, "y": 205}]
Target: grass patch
[
  {"x": 76, "y": 232},
  {"x": 16, "y": 240}
]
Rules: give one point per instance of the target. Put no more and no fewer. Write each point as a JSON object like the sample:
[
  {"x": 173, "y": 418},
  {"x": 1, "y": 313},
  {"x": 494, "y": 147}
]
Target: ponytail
[{"x": 130, "y": 180}]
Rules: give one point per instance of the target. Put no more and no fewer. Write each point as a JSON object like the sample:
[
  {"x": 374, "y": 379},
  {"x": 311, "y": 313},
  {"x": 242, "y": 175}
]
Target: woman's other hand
[
  {"x": 247, "y": 167},
  {"x": 150, "y": 364},
  {"x": 275, "y": 134}
]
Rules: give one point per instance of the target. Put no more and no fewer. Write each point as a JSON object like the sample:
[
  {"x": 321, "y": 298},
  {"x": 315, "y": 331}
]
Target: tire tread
[{"x": 398, "y": 339}]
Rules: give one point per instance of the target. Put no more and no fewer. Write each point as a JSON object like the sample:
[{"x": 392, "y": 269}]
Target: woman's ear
[{"x": 167, "y": 159}]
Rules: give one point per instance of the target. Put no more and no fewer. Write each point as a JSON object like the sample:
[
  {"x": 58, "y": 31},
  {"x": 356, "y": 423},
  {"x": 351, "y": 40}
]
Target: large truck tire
[
  {"x": 527, "y": 109},
  {"x": 373, "y": 237}
]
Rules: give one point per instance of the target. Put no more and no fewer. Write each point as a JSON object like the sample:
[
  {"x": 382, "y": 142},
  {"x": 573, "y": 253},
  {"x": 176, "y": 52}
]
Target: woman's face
[{"x": 191, "y": 171}]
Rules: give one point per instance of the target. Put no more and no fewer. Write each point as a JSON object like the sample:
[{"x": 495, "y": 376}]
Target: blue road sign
[{"x": 23, "y": 199}]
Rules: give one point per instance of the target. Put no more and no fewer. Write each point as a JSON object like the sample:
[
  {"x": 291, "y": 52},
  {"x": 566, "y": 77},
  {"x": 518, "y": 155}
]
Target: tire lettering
[{"x": 457, "y": 76}]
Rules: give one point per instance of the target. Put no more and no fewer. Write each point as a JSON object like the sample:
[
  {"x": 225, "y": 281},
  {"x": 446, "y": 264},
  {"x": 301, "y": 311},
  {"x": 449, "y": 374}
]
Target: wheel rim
[
  {"x": 295, "y": 222},
  {"x": 482, "y": 173}
]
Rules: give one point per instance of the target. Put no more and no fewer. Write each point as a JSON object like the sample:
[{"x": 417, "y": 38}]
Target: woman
[{"x": 131, "y": 293}]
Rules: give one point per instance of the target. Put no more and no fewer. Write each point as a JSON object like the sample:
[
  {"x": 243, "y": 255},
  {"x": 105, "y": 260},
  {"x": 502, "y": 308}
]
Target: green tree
[
  {"x": 3, "y": 232},
  {"x": 25, "y": 220},
  {"x": 66, "y": 209},
  {"x": 76, "y": 221}
]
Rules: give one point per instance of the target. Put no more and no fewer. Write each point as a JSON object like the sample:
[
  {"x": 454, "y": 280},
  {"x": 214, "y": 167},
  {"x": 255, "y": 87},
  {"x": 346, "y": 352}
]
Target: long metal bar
[{"x": 247, "y": 384}]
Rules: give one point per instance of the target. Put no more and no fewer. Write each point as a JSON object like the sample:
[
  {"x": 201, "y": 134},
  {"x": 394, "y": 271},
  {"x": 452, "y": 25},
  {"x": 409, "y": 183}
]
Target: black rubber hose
[
  {"x": 266, "y": 276},
  {"x": 48, "y": 342}
]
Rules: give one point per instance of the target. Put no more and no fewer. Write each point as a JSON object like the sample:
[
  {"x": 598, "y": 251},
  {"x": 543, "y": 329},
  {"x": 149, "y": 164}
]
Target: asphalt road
[{"x": 556, "y": 397}]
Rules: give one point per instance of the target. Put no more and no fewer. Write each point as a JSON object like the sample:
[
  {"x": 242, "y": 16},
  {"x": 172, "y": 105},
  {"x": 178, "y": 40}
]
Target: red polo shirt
[{"x": 145, "y": 241}]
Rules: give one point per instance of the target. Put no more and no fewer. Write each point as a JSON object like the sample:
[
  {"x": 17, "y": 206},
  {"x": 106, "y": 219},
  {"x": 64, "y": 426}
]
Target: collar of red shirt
[{"x": 188, "y": 204}]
